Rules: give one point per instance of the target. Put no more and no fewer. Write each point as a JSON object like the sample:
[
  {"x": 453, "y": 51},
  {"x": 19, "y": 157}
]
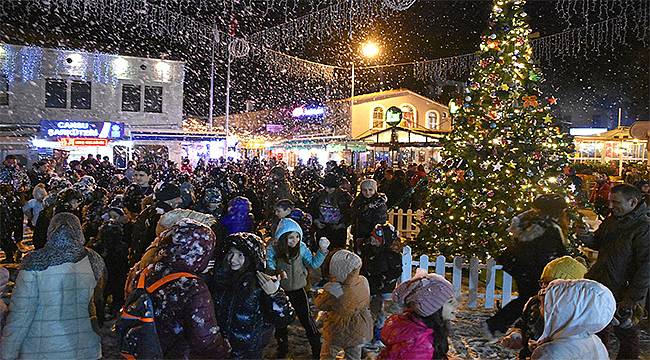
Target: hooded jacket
[
  {"x": 623, "y": 263},
  {"x": 296, "y": 268},
  {"x": 246, "y": 312},
  {"x": 406, "y": 337},
  {"x": 184, "y": 312},
  {"x": 574, "y": 311},
  {"x": 348, "y": 321},
  {"x": 52, "y": 310},
  {"x": 368, "y": 213},
  {"x": 238, "y": 218}
]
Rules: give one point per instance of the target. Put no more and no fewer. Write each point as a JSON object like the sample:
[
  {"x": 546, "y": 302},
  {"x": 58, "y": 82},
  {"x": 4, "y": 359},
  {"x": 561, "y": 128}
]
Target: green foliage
[{"x": 506, "y": 147}]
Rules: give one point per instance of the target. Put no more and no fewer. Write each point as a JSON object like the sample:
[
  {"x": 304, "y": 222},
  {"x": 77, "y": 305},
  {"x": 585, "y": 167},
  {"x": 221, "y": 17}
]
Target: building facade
[{"x": 49, "y": 97}]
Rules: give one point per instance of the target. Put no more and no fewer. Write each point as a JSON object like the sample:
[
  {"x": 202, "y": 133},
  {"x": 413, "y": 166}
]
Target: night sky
[{"x": 590, "y": 89}]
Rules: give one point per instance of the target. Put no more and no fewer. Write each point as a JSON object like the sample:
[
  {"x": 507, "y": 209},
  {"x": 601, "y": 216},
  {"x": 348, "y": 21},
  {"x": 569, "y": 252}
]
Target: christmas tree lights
[{"x": 505, "y": 149}]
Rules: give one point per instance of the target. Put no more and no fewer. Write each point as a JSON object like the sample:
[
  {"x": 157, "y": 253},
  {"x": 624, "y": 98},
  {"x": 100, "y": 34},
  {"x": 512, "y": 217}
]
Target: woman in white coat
[
  {"x": 52, "y": 311},
  {"x": 574, "y": 311}
]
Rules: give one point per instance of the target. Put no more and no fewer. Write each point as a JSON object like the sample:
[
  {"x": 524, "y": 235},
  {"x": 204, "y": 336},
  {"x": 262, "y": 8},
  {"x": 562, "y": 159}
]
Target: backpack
[{"x": 136, "y": 326}]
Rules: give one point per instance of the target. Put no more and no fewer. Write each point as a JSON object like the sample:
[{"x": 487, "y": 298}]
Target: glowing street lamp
[{"x": 369, "y": 49}]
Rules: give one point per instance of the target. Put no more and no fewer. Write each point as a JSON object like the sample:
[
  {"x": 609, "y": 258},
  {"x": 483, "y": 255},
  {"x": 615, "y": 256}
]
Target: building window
[
  {"x": 408, "y": 116},
  {"x": 56, "y": 91},
  {"x": 131, "y": 97},
  {"x": 377, "y": 118},
  {"x": 80, "y": 94},
  {"x": 433, "y": 120},
  {"x": 153, "y": 99},
  {"x": 4, "y": 91}
]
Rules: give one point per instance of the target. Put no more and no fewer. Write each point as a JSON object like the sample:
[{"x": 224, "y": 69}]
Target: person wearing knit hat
[
  {"x": 347, "y": 323},
  {"x": 421, "y": 331},
  {"x": 565, "y": 267},
  {"x": 531, "y": 324}
]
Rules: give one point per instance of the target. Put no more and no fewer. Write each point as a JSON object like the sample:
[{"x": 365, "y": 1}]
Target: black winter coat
[
  {"x": 246, "y": 313},
  {"x": 623, "y": 246},
  {"x": 540, "y": 240},
  {"x": 144, "y": 230},
  {"x": 382, "y": 266},
  {"x": 367, "y": 214}
]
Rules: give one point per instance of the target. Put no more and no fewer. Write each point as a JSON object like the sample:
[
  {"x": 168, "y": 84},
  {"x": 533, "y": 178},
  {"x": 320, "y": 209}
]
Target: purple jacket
[{"x": 185, "y": 319}]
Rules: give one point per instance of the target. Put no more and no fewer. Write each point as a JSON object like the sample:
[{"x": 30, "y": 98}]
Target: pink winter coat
[{"x": 406, "y": 337}]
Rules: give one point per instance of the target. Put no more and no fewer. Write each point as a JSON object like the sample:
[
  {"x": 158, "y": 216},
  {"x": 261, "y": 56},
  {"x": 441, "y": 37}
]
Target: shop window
[
  {"x": 4, "y": 91},
  {"x": 131, "y": 97},
  {"x": 153, "y": 99},
  {"x": 80, "y": 94},
  {"x": 56, "y": 91},
  {"x": 433, "y": 120},
  {"x": 408, "y": 116},
  {"x": 377, "y": 118}
]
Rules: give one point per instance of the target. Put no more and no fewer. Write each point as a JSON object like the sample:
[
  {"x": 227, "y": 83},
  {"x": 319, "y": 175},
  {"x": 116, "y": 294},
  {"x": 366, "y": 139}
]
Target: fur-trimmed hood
[{"x": 529, "y": 226}]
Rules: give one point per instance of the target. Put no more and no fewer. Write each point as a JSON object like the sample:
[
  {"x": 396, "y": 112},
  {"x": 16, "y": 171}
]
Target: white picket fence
[{"x": 458, "y": 264}]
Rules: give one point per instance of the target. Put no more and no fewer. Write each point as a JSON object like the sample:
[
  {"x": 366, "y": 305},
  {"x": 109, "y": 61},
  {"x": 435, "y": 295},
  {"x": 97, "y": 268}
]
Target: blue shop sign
[{"x": 56, "y": 129}]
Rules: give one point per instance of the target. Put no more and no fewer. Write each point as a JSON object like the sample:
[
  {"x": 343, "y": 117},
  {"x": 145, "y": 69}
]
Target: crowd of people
[{"x": 216, "y": 259}]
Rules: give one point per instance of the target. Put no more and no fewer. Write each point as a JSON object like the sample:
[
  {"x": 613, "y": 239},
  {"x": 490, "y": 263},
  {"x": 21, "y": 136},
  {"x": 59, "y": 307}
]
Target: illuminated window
[
  {"x": 377, "y": 118},
  {"x": 408, "y": 116},
  {"x": 433, "y": 120}
]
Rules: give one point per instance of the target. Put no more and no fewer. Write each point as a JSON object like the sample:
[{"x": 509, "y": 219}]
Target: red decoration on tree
[
  {"x": 530, "y": 101},
  {"x": 552, "y": 101}
]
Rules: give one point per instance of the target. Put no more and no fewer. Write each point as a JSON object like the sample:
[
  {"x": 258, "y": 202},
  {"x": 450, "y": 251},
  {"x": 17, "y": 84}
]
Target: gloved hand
[
  {"x": 270, "y": 284},
  {"x": 334, "y": 288},
  {"x": 629, "y": 314},
  {"x": 323, "y": 244},
  {"x": 513, "y": 340}
]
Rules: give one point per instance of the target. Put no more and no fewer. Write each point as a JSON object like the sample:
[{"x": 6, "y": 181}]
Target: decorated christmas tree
[{"x": 505, "y": 148}]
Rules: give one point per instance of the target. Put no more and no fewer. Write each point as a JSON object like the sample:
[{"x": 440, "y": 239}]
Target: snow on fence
[{"x": 458, "y": 264}]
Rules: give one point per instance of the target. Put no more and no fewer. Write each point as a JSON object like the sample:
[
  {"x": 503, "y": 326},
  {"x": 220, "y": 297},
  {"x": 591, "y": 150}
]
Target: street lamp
[{"x": 369, "y": 50}]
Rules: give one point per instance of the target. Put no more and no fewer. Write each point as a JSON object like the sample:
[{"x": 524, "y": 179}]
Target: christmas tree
[{"x": 505, "y": 148}]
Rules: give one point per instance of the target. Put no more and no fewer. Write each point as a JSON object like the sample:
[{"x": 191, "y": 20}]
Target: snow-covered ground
[{"x": 466, "y": 340}]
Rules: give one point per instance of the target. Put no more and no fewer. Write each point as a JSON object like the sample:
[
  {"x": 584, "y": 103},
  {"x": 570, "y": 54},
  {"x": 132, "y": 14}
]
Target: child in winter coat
[
  {"x": 239, "y": 217},
  {"x": 286, "y": 208},
  {"x": 382, "y": 266},
  {"x": 289, "y": 255},
  {"x": 34, "y": 206},
  {"x": 574, "y": 311},
  {"x": 531, "y": 324},
  {"x": 420, "y": 332},
  {"x": 370, "y": 210},
  {"x": 347, "y": 324},
  {"x": 248, "y": 302}
]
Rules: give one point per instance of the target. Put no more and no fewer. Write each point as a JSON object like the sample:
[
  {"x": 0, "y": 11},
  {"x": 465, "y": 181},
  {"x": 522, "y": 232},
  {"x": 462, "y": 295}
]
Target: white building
[{"x": 47, "y": 95}]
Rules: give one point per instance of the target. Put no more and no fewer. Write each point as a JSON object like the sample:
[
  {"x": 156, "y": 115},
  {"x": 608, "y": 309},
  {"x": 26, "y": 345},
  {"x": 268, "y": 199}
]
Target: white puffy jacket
[
  {"x": 49, "y": 316},
  {"x": 574, "y": 311}
]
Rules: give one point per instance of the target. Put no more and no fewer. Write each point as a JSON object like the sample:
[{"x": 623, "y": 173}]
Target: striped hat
[{"x": 424, "y": 295}]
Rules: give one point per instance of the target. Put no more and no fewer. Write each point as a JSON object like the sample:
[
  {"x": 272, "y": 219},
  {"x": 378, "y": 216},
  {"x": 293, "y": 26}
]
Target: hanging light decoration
[{"x": 399, "y": 5}]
